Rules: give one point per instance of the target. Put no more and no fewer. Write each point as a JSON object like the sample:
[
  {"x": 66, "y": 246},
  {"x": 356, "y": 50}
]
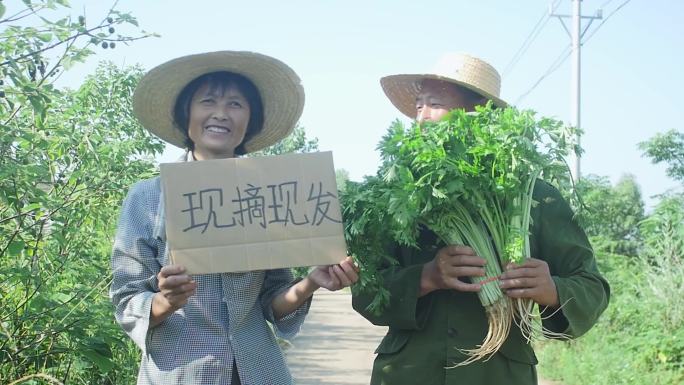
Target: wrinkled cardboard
[{"x": 246, "y": 214}]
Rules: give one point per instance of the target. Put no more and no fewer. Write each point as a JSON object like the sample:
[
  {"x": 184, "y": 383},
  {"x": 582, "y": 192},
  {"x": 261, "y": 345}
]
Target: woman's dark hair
[{"x": 220, "y": 81}]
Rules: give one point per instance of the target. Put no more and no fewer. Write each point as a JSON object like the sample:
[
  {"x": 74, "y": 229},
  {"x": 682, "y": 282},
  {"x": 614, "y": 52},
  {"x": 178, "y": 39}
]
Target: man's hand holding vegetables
[
  {"x": 455, "y": 264},
  {"x": 532, "y": 280},
  {"x": 449, "y": 268}
]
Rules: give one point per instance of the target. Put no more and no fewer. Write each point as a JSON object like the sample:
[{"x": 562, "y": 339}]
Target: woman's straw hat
[
  {"x": 279, "y": 86},
  {"x": 456, "y": 68}
]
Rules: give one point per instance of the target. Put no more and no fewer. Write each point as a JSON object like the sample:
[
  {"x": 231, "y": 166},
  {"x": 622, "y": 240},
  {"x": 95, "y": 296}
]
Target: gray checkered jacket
[{"x": 225, "y": 320}]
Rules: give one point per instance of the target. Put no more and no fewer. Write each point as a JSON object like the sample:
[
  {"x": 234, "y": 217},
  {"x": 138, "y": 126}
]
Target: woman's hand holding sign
[
  {"x": 175, "y": 287},
  {"x": 335, "y": 277},
  {"x": 331, "y": 277}
]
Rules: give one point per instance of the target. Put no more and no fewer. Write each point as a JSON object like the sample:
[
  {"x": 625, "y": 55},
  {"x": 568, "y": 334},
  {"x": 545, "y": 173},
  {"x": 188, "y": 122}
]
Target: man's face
[{"x": 436, "y": 98}]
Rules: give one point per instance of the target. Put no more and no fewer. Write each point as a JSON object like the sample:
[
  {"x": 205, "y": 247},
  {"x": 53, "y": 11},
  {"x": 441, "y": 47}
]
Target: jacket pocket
[{"x": 393, "y": 342}]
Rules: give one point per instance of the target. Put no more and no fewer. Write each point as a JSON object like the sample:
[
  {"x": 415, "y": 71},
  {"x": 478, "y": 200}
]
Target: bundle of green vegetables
[{"x": 469, "y": 178}]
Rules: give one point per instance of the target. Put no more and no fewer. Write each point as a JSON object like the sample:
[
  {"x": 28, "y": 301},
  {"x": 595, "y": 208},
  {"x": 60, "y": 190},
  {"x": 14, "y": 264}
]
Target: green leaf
[
  {"x": 15, "y": 248},
  {"x": 46, "y": 37},
  {"x": 103, "y": 363},
  {"x": 2, "y": 10},
  {"x": 37, "y": 104},
  {"x": 438, "y": 193},
  {"x": 61, "y": 297},
  {"x": 32, "y": 206},
  {"x": 67, "y": 63}
]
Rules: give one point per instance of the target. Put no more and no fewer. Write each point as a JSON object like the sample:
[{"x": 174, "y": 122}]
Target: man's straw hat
[
  {"x": 457, "y": 68},
  {"x": 279, "y": 86}
]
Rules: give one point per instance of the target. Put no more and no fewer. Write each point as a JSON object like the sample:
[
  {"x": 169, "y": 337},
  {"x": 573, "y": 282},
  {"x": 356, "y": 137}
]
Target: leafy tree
[
  {"x": 66, "y": 159},
  {"x": 341, "y": 178},
  {"x": 664, "y": 265},
  {"x": 611, "y": 213},
  {"x": 647, "y": 300},
  {"x": 668, "y": 148},
  {"x": 62, "y": 184},
  {"x": 663, "y": 233},
  {"x": 663, "y": 230}
]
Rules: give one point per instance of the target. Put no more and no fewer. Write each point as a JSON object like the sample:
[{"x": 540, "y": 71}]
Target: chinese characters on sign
[
  {"x": 274, "y": 204},
  {"x": 244, "y": 214}
]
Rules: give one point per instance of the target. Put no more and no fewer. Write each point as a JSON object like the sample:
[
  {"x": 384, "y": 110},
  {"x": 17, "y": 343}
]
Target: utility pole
[{"x": 575, "y": 97}]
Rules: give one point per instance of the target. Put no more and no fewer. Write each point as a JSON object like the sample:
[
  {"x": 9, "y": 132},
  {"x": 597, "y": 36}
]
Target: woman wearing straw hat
[
  {"x": 433, "y": 311},
  {"x": 210, "y": 329}
]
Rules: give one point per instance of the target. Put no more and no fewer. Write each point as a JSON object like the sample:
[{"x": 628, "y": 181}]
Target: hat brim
[
  {"x": 280, "y": 88},
  {"x": 402, "y": 91}
]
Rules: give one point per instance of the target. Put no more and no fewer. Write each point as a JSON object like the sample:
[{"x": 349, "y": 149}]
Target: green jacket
[{"x": 426, "y": 333}]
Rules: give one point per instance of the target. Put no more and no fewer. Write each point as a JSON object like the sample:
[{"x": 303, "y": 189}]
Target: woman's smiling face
[{"x": 218, "y": 121}]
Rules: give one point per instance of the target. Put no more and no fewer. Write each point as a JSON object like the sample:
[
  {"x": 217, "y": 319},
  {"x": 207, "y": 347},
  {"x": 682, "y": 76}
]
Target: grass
[{"x": 638, "y": 340}]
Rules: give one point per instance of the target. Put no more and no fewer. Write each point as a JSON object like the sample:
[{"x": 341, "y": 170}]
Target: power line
[
  {"x": 530, "y": 39},
  {"x": 605, "y": 3},
  {"x": 552, "y": 68},
  {"x": 567, "y": 51},
  {"x": 606, "y": 19},
  {"x": 510, "y": 64}
]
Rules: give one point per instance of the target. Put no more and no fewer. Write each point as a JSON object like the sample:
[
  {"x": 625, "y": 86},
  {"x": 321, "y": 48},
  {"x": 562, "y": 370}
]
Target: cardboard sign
[{"x": 253, "y": 213}]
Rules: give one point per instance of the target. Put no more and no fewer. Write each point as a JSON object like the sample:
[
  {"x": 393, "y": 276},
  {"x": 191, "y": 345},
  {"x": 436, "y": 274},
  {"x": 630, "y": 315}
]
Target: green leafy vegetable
[{"x": 469, "y": 178}]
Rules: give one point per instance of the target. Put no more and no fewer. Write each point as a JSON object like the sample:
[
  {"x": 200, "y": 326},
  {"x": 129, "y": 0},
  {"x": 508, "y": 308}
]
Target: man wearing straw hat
[
  {"x": 434, "y": 311},
  {"x": 210, "y": 328}
]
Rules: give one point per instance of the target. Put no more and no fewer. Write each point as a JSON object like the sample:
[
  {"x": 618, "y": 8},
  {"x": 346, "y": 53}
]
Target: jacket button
[{"x": 452, "y": 332}]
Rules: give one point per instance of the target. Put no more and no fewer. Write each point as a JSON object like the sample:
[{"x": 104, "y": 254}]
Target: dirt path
[{"x": 336, "y": 344}]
